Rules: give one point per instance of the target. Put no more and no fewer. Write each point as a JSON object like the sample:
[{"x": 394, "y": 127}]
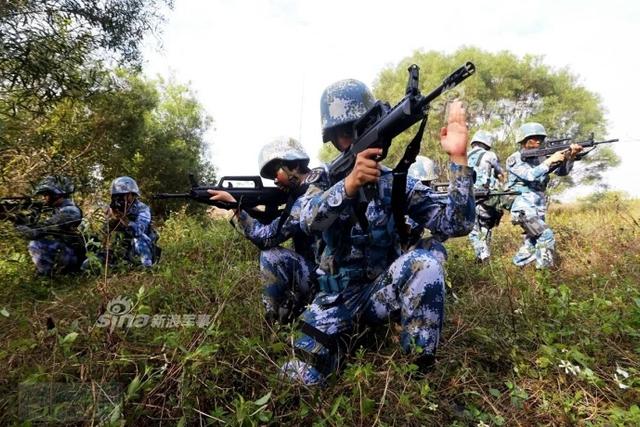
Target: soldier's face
[
  {"x": 533, "y": 143},
  {"x": 343, "y": 142},
  {"x": 282, "y": 179},
  {"x": 343, "y": 137}
]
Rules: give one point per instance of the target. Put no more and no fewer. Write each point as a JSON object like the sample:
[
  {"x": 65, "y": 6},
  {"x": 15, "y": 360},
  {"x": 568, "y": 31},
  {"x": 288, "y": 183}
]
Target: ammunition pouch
[
  {"x": 533, "y": 227},
  {"x": 489, "y": 215}
]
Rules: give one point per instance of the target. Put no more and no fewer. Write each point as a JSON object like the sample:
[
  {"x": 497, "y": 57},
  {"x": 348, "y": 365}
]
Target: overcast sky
[{"x": 259, "y": 66}]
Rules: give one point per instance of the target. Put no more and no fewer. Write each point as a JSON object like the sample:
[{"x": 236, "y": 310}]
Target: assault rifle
[
  {"x": 378, "y": 126},
  {"x": 247, "y": 197},
  {"x": 21, "y": 210},
  {"x": 553, "y": 148}
]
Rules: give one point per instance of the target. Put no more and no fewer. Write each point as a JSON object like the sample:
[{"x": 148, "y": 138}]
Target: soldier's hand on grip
[
  {"x": 221, "y": 196},
  {"x": 365, "y": 171},
  {"x": 557, "y": 157}
]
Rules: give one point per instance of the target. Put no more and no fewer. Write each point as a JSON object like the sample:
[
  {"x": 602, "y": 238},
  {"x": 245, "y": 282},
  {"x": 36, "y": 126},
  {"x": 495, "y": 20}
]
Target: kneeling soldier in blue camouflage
[
  {"x": 55, "y": 244},
  {"x": 128, "y": 229},
  {"x": 366, "y": 279},
  {"x": 288, "y": 276},
  {"x": 486, "y": 165},
  {"x": 529, "y": 208}
]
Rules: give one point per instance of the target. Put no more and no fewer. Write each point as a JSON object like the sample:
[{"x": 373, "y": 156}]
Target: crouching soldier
[
  {"x": 288, "y": 276},
  {"x": 129, "y": 233},
  {"x": 364, "y": 277},
  {"x": 55, "y": 245}
]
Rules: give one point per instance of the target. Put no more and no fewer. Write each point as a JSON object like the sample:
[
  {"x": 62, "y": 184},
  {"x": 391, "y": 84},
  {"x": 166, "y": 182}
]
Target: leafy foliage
[
  {"x": 56, "y": 49},
  {"x": 150, "y": 130}
]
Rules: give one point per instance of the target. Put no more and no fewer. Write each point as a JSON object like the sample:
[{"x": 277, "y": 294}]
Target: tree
[
  {"x": 505, "y": 92},
  {"x": 56, "y": 49},
  {"x": 150, "y": 130}
]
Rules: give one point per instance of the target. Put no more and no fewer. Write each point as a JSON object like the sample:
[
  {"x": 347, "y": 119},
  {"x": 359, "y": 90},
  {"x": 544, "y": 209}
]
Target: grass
[{"x": 520, "y": 347}]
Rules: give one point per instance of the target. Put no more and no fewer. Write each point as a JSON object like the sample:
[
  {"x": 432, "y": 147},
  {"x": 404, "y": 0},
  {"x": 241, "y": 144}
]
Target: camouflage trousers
[
  {"x": 48, "y": 255},
  {"x": 480, "y": 238},
  {"x": 411, "y": 291},
  {"x": 141, "y": 249},
  {"x": 487, "y": 217},
  {"x": 288, "y": 281},
  {"x": 539, "y": 244}
]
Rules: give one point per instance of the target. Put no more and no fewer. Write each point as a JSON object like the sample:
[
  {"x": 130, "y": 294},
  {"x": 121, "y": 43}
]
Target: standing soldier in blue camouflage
[
  {"x": 364, "y": 278},
  {"x": 128, "y": 229},
  {"x": 529, "y": 208},
  {"x": 489, "y": 174},
  {"x": 55, "y": 244},
  {"x": 288, "y": 276}
]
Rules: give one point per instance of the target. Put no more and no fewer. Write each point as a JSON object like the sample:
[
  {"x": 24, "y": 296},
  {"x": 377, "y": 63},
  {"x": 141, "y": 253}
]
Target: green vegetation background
[{"x": 519, "y": 347}]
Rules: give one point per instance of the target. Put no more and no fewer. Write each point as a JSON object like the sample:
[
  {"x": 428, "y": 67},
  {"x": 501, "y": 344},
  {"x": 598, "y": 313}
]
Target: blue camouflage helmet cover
[
  {"x": 58, "y": 185},
  {"x": 343, "y": 102},
  {"x": 528, "y": 130},
  {"x": 124, "y": 185},
  {"x": 484, "y": 137},
  {"x": 423, "y": 169},
  {"x": 281, "y": 149}
]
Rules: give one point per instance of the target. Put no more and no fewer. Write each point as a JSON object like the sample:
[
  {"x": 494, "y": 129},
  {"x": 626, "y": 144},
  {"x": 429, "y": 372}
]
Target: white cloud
[{"x": 259, "y": 67}]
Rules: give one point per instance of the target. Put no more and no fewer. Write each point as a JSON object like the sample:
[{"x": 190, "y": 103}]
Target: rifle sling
[
  {"x": 399, "y": 187},
  {"x": 293, "y": 196}
]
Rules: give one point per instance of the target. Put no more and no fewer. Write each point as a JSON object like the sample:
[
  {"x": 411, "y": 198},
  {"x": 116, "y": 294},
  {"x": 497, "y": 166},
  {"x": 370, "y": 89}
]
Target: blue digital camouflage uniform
[
  {"x": 288, "y": 276},
  {"x": 486, "y": 165},
  {"x": 367, "y": 280},
  {"x": 55, "y": 244},
  {"x": 138, "y": 237},
  {"x": 529, "y": 208}
]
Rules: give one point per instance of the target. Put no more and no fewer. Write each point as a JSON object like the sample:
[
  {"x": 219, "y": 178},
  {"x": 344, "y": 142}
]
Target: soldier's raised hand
[
  {"x": 455, "y": 136},
  {"x": 366, "y": 170}
]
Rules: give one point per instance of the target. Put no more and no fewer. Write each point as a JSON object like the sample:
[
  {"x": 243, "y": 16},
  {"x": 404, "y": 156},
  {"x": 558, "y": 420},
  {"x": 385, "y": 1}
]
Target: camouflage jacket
[
  {"x": 360, "y": 256},
  {"x": 61, "y": 224},
  {"x": 531, "y": 179},
  {"x": 271, "y": 235},
  {"x": 486, "y": 165},
  {"x": 139, "y": 221}
]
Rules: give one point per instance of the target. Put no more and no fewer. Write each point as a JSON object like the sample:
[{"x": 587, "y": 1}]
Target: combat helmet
[
  {"x": 124, "y": 185},
  {"x": 282, "y": 149},
  {"x": 484, "y": 137},
  {"x": 55, "y": 184},
  {"x": 528, "y": 130},
  {"x": 423, "y": 169},
  {"x": 342, "y": 103}
]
